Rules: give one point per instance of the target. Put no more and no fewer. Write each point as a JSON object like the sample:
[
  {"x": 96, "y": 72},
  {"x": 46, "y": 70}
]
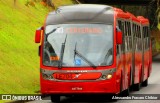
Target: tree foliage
[
  {"x": 158, "y": 14},
  {"x": 49, "y": 3},
  {"x": 30, "y": 3}
]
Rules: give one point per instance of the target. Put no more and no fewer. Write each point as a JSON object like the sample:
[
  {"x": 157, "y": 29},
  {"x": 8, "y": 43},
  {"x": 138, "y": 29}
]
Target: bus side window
[
  {"x": 130, "y": 38},
  {"x": 139, "y": 39},
  {"x": 136, "y": 40},
  {"x": 123, "y": 44},
  {"x": 144, "y": 35},
  {"x": 119, "y": 26},
  {"x": 125, "y": 31},
  {"x": 148, "y": 37}
]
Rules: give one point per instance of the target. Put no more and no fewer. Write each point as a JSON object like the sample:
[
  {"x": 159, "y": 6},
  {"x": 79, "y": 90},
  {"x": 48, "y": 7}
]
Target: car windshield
[{"x": 77, "y": 45}]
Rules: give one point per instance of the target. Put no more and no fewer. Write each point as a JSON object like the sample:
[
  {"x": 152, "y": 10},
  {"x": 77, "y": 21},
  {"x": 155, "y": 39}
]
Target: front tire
[{"x": 55, "y": 98}]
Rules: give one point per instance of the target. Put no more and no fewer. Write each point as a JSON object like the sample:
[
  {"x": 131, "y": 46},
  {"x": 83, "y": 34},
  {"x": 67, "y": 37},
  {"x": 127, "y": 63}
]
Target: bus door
[{"x": 122, "y": 52}]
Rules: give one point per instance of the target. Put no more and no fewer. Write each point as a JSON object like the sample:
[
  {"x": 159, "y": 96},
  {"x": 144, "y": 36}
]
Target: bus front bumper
[{"x": 72, "y": 87}]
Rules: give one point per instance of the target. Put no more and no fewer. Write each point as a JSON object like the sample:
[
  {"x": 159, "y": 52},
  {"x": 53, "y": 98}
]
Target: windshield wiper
[
  {"x": 106, "y": 58},
  {"x": 75, "y": 51},
  {"x": 82, "y": 57},
  {"x": 62, "y": 53},
  {"x": 52, "y": 31}
]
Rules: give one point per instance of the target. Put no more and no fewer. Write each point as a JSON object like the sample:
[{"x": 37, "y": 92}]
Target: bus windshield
[{"x": 77, "y": 45}]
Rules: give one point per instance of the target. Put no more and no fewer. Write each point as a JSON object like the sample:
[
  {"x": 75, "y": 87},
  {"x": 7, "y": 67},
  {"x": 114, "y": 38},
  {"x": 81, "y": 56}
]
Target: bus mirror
[
  {"x": 119, "y": 37},
  {"x": 38, "y": 35}
]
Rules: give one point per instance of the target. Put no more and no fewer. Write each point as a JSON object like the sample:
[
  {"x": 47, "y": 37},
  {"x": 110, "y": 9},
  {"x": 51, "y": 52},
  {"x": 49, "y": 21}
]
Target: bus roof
[
  {"x": 81, "y": 13},
  {"x": 143, "y": 20},
  {"x": 90, "y": 13},
  {"x": 125, "y": 15}
]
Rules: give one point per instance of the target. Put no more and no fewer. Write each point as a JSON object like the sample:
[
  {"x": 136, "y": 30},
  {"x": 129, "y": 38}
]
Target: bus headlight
[
  {"x": 109, "y": 76},
  {"x": 103, "y": 76},
  {"x": 45, "y": 76},
  {"x": 48, "y": 77}
]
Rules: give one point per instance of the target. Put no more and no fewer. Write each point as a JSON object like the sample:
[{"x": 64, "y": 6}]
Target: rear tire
[
  {"x": 125, "y": 93},
  {"x": 55, "y": 98},
  {"x": 136, "y": 87},
  {"x": 145, "y": 83}
]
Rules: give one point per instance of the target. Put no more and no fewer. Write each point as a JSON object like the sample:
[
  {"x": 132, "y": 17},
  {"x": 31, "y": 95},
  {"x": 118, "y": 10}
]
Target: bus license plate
[{"x": 64, "y": 76}]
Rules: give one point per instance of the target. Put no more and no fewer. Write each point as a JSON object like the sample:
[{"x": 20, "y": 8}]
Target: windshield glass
[{"x": 76, "y": 45}]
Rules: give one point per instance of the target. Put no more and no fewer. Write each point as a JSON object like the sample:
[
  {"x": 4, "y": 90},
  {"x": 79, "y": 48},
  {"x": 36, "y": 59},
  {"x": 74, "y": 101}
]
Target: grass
[
  {"x": 19, "y": 61},
  {"x": 18, "y": 53}
]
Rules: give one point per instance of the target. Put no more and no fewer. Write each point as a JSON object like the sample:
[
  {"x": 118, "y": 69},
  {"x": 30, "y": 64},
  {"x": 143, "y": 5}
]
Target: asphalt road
[{"x": 152, "y": 88}]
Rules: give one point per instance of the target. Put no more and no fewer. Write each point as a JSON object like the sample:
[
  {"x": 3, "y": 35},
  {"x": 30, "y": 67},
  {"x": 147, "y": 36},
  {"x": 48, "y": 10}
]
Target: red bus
[{"x": 93, "y": 49}]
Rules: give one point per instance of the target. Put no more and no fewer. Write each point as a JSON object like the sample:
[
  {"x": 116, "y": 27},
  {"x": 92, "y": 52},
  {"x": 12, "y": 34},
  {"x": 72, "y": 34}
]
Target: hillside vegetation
[{"x": 19, "y": 61}]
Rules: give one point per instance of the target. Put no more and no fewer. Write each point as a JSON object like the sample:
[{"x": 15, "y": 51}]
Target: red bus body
[{"x": 131, "y": 66}]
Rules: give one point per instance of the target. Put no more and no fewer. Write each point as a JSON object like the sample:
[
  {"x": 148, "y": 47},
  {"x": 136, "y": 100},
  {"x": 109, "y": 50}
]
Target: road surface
[{"x": 152, "y": 88}]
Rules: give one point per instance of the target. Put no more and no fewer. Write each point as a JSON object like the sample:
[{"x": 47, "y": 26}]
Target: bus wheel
[
  {"x": 55, "y": 98},
  {"x": 125, "y": 92},
  {"x": 136, "y": 87},
  {"x": 145, "y": 83}
]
